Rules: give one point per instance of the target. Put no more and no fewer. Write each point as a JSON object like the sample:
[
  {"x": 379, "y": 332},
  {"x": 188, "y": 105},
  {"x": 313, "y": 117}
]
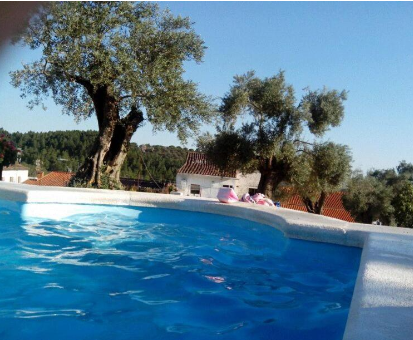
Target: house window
[
  {"x": 252, "y": 191},
  {"x": 228, "y": 186},
  {"x": 195, "y": 189},
  {"x": 11, "y": 179},
  {"x": 19, "y": 179}
]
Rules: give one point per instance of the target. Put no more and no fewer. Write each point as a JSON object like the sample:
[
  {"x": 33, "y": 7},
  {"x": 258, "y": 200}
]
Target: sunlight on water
[{"x": 101, "y": 272}]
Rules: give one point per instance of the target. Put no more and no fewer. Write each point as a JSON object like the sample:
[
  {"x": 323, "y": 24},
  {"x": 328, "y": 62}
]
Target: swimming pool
[{"x": 106, "y": 272}]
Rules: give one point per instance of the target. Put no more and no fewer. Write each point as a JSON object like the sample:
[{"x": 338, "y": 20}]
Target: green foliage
[
  {"x": 323, "y": 109},
  {"x": 66, "y": 150},
  {"x": 161, "y": 162},
  {"x": 322, "y": 170},
  {"x": 405, "y": 170},
  {"x": 57, "y": 151},
  {"x": 269, "y": 139},
  {"x": 230, "y": 151},
  {"x": 388, "y": 177},
  {"x": 133, "y": 52},
  {"x": 381, "y": 195},
  {"x": 368, "y": 199},
  {"x": 203, "y": 142},
  {"x": 330, "y": 165},
  {"x": 270, "y": 104},
  {"x": 403, "y": 206}
]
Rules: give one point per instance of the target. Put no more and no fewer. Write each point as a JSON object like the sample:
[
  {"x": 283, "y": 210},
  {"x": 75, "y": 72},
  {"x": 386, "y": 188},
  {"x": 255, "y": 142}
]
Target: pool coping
[{"x": 382, "y": 303}]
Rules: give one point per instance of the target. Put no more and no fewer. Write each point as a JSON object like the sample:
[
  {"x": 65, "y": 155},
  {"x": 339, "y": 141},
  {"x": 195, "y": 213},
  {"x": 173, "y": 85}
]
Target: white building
[
  {"x": 199, "y": 177},
  {"x": 16, "y": 173}
]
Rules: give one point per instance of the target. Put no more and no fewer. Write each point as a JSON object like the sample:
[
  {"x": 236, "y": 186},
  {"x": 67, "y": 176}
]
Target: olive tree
[
  {"x": 381, "y": 194},
  {"x": 322, "y": 170},
  {"x": 269, "y": 138},
  {"x": 119, "y": 61}
]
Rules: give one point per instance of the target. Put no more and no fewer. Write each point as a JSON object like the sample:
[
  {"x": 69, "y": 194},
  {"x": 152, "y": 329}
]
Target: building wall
[
  {"x": 210, "y": 185},
  {"x": 16, "y": 176},
  {"x": 246, "y": 182}
]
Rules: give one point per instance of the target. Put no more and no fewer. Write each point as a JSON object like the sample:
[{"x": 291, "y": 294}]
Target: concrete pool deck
[{"x": 382, "y": 303}]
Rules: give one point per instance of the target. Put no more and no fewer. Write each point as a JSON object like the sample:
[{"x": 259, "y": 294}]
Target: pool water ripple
[{"x": 139, "y": 273}]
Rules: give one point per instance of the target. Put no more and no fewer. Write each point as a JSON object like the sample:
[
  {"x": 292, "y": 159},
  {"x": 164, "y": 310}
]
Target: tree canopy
[
  {"x": 403, "y": 205},
  {"x": 269, "y": 138},
  {"x": 383, "y": 195},
  {"x": 321, "y": 171},
  {"x": 368, "y": 199},
  {"x": 121, "y": 61}
]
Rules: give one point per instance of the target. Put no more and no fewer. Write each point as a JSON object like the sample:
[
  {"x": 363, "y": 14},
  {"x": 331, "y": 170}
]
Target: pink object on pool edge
[
  {"x": 247, "y": 198},
  {"x": 227, "y": 195},
  {"x": 262, "y": 200}
]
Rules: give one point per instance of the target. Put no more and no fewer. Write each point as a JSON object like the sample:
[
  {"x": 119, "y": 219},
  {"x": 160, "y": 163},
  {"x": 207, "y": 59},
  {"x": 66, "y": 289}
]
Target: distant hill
[
  {"x": 67, "y": 150},
  {"x": 161, "y": 161}
]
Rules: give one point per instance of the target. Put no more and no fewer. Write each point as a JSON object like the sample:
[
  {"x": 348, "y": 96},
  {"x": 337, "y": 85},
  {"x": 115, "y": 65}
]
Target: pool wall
[{"x": 382, "y": 304}]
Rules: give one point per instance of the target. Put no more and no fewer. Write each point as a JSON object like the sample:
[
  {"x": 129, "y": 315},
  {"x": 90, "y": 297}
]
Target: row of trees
[
  {"x": 384, "y": 195},
  {"x": 270, "y": 138},
  {"x": 56, "y": 150},
  {"x": 154, "y": 162},
  {"x": 67, "y": 150}
]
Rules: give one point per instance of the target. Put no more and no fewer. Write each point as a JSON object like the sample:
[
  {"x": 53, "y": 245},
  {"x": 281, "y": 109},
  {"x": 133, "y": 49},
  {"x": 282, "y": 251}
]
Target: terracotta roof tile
[
  {"x": 30, "y": 181},
  {"x": 52, "y": 179},
  {"x": 333, "y": 206},
  {"x": 340, "y": 214},
  {"x": 197, "y": 164}
]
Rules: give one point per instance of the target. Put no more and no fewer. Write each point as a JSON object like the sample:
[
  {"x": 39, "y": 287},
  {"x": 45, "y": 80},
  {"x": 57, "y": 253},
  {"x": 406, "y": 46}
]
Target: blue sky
[{"x": 365, "y": 48}]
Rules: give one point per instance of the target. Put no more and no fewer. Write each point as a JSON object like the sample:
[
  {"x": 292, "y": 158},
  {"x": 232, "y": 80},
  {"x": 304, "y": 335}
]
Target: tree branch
[
  {"x": 134, "y": 117},
  {"x": 305, "y": 151},
  {"x": 302, "y": 142},
  {"x": 77, "y": 79}
]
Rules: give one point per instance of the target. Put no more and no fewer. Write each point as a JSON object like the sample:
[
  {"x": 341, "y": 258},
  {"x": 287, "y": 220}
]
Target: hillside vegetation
[{"x": 66, "y": 151}]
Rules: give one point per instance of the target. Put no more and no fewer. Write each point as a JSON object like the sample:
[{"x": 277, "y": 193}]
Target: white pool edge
[{"x": 382, "y": 303}]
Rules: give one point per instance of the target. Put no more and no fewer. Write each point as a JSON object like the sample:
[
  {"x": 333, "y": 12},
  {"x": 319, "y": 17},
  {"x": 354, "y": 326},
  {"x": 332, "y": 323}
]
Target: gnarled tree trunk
[
  {"x": 102, "y": 167},
  {"x": 122, "y": 134},
  {"x": 268, "y": 184},
  {"x": 317, "y": 206},
  {"x": 265, "y": 185},
  {"x": 270, "y": 178}
]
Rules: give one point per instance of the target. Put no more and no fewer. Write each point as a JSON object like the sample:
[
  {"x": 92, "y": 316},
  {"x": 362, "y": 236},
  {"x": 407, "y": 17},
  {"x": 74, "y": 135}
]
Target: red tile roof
[
  {"x": 52, "y": 179},
  {"x": 333, "y": 206},
  {"x": 30, "y": 181},
  {"x": 197, "y": 164}
]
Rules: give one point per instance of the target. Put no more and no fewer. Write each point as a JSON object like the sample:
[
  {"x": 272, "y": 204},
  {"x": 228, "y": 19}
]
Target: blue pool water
[{"x": 143, "y": 273}]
